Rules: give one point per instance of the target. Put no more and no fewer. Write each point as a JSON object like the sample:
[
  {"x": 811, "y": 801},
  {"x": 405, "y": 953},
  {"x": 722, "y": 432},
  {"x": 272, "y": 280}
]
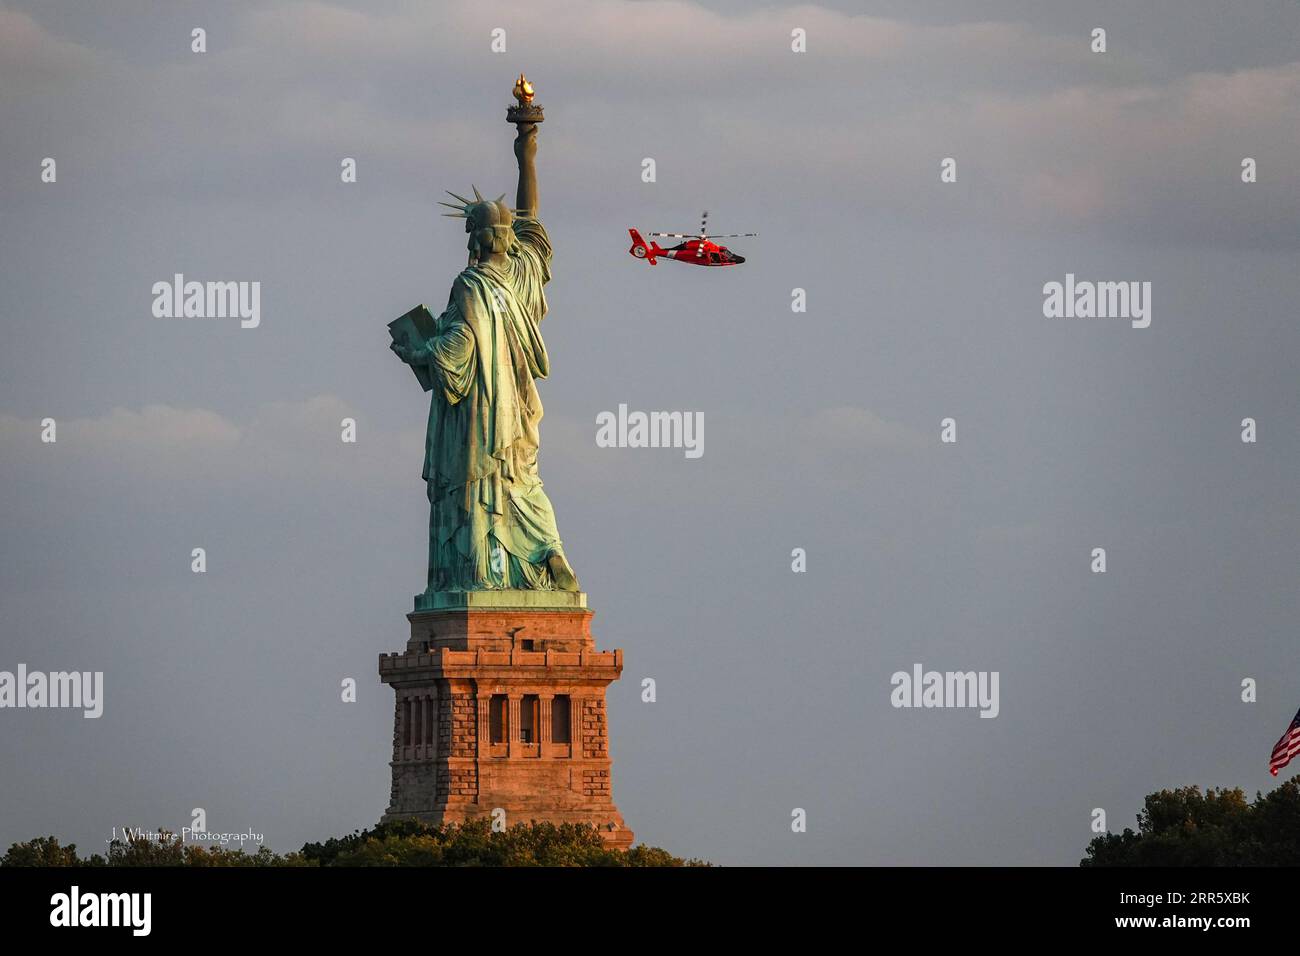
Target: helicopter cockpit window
[{"x": 713, "y": 257}]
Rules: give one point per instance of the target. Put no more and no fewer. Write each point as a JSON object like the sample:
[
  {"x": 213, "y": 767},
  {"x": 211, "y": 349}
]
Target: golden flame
[{"x": 523, "y": 90}]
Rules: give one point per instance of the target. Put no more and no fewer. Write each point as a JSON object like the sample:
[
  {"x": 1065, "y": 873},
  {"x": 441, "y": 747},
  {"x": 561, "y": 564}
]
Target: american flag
[{"x": 1287, "y": 747}]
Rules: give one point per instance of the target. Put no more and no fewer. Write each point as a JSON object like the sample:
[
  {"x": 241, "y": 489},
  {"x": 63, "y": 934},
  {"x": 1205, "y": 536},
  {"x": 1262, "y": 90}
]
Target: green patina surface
[
  {"x": 512, "y": 598},
  {"x": 491, "y": 526}
]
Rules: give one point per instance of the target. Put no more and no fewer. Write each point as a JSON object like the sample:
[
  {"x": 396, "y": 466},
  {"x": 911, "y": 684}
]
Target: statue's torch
[
  {"x": 525, "y": 114},
  {"x": 524, "y": 110}
]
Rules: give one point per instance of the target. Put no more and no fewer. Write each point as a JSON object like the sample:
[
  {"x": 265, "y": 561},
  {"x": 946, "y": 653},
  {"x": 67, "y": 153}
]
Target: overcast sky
[{"x": 924, "y": 301}]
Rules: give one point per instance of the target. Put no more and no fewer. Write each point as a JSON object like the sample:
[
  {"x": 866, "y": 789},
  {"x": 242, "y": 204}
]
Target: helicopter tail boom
[{"x": 642, "y": 250}]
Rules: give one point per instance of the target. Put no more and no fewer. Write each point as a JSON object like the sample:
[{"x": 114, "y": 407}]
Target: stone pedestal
[{"x": 501, "y": 704}]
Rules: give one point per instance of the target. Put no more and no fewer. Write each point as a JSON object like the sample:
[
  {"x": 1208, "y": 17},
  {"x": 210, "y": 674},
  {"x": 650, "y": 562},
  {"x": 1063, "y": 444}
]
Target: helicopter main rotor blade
[{"x": 702, "y": 235}]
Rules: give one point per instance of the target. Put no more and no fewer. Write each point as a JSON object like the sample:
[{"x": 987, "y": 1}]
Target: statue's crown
[{"x": 482, "y": 212}]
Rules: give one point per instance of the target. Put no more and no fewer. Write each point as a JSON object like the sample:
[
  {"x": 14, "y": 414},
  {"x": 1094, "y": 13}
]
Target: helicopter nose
[{"x": 737, "y": 259}]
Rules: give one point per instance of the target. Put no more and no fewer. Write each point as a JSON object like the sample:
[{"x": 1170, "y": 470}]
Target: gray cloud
[{"x": 1049, "y": 134}]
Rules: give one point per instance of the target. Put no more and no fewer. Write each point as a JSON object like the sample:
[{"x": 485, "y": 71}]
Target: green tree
[
  {"x": 1185, "y": 827},
  {"x": 167, "y": 850},
  {"x": 408, "y": 843},
  {"x": 42, "y": 851},
  {"x": 403, "y": 843}
]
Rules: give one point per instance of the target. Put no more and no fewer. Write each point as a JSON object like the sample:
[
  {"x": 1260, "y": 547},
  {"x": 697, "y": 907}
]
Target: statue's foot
[{"x": 562, "y": 574}]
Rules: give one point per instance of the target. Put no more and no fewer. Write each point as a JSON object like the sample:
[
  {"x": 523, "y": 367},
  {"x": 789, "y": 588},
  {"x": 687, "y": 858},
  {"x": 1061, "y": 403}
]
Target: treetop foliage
[
  {"x": 1185, "y": 827},
  {"x": 403, "y": 843}
]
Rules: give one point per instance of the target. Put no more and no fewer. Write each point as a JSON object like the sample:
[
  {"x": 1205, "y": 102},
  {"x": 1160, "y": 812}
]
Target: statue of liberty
[{"x": 491, "y": 525}]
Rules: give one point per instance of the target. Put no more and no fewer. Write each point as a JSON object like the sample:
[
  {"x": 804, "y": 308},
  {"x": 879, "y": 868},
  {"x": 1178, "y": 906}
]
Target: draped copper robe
[{"x": 490, "y": 523}]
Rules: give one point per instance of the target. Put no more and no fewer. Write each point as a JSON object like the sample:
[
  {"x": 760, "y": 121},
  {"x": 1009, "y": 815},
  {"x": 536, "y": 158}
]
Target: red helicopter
[{"x": 697, "y": 250}]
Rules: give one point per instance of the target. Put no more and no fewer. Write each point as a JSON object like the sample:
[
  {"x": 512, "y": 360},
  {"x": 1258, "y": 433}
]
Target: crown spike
[
  {"x": 454, "y": 196},
  {"x": 478, "y": 196}
]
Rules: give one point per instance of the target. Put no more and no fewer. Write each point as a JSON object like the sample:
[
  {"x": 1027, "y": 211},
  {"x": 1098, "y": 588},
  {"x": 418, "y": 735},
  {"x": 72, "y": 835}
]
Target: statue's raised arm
[
  {"x": 525, "y": 152},
  {"x": 525, "y": 115}
]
